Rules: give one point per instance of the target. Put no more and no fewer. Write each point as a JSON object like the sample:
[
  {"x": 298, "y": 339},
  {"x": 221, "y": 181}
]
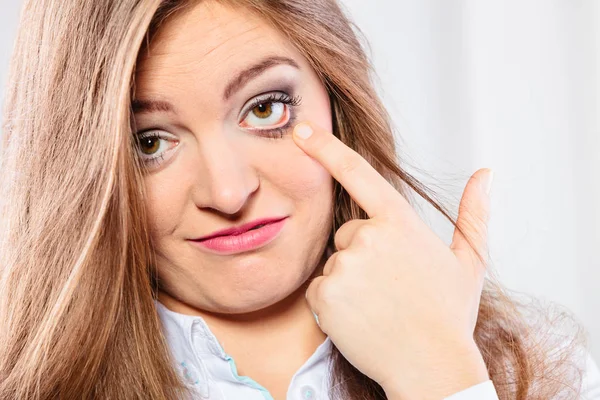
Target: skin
[
  {"x": 216, "y": 174},
  {"x": 419, "y": 297}
]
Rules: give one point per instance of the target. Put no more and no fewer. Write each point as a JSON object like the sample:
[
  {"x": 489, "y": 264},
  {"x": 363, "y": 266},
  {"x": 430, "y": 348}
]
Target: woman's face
[{"x": 216, "y": 100}]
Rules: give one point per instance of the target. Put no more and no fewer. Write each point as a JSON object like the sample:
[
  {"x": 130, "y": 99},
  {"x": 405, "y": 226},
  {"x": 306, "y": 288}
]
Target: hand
[{"x": 398, "y": 303}]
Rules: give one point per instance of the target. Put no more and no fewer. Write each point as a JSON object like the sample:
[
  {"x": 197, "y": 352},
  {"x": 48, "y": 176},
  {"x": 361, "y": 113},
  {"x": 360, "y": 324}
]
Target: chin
[
  {"x": 250, "y": 306},
  {"x": 250, "y": 301}
]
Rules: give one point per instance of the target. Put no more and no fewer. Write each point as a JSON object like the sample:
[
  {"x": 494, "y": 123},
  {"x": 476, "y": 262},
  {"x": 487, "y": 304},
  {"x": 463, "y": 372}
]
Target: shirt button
[{"x": 308, "y": 393}]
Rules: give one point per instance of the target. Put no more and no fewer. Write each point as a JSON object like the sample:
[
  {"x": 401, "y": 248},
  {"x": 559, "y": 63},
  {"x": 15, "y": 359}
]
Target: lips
[
  {"x": 243, "y": 238},
  {"x": 238, "y": 230}
]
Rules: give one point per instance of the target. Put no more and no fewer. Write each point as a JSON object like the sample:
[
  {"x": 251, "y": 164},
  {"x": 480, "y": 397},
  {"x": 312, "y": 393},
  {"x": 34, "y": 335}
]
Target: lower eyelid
[
  {"x": 160, "y": 159},
  {"x": 278, "y": 133},
  {"x": 290, "y": 111}
]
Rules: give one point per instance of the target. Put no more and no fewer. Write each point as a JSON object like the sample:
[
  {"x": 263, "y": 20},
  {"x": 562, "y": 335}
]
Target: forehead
[{"x": 209, "y": 42}]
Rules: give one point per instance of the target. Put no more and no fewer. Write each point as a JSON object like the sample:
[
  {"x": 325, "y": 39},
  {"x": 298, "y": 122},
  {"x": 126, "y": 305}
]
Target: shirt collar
[{"x": 201, "y": 359}]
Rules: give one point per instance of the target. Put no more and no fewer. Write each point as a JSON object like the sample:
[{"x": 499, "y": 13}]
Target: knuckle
[
  {"x": 324, "y": 144},
  {"x": 340, "y": 238},
  {"x": 327, "y": 294},
  {"x": 338, "y": 242},
  {"x": 342, "y": 259},
  {"x": 473, "y": 227},
  {"x": 311, "y": 291},
  {"x": 348, "y": 164},
  {"x": 365, "y": 236},
  {"x": 340, "y": 234},
  {"x": 327, "y": 269}
]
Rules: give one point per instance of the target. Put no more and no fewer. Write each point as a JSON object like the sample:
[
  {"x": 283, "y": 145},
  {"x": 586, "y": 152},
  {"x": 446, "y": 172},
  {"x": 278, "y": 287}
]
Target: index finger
[{"x": 365, "y": 185}]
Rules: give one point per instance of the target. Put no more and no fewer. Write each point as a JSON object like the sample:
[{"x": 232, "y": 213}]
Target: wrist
[{"x": 439, "y": 376}]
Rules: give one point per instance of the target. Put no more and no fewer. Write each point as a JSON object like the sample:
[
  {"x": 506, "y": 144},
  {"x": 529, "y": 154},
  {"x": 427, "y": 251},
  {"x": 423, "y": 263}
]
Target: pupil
[
  {"x": 263, "y": 110},
  {"x": 149, "y": 145}
]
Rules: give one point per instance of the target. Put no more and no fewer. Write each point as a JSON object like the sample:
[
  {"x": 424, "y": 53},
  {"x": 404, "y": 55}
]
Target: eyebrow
[
  {"x": 236, "y": 84},
  {"x": 150, "y": 106},
  {"x": 254, "y": 71}
]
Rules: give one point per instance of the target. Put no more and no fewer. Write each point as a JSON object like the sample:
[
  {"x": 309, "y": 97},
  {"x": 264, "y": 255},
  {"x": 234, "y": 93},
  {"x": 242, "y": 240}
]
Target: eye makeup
[
  {"x": 153, "y": 137},
  {"x": 263, "y": 107},
  {"x": 155, "y": 145}
]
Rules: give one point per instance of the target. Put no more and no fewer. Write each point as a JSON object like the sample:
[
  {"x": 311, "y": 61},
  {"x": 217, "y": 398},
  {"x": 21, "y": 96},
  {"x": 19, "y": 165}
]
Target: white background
[{"x": 507, "y": 84}]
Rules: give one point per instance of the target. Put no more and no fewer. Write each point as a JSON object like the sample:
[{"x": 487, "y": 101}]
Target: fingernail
[
  {"x": 303, "y": 131},
  {"x": 487, "y": 182},
  {"x": 316, "y": 318}
]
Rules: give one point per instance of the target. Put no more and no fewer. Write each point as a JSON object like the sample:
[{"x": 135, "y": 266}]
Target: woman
[{"x": 191, "y": 221}]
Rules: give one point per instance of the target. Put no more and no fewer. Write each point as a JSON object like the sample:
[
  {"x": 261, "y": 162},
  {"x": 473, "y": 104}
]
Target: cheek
[
  {"x": 308, "y": 181},
  {"x": 165, "y": 201},
  {"x": 298, "y": 177},
  {"x": 287, "y": 165}
]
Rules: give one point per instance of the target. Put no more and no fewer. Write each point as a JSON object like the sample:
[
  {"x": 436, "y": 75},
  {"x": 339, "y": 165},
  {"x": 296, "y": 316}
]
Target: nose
[{"x": 226, "y": 178}]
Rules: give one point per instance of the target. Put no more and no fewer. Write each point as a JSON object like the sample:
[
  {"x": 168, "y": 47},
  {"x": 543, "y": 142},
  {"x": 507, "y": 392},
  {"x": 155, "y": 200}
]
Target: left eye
[
  {"x": 267, "y": 114},
  {"x": 155, "y": 146}
]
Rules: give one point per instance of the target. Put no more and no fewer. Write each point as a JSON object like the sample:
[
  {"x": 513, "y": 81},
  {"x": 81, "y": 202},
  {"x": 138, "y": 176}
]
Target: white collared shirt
[{"x": 210, "y": 373}]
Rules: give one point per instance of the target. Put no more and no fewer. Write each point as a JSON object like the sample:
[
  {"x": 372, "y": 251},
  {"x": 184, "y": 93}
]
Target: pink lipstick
[{"x": 246, "y": 237}]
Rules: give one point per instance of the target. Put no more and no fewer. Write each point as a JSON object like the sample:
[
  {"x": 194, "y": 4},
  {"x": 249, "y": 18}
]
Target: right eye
[{"x": 154, "y": 145}]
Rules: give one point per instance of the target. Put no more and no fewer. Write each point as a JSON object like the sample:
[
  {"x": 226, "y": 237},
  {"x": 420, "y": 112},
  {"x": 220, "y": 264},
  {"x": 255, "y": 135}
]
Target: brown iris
[
  {"x": 150, "y": 145},
  {"x": 263, "y": 110}
]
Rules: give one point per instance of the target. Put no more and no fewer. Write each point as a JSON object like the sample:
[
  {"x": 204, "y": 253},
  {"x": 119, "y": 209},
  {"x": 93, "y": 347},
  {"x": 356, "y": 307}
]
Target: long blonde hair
[{"x": 77, "y": 283}]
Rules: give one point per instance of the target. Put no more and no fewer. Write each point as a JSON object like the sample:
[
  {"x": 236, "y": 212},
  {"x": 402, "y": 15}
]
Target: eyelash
[
  {"x": 154, "y": 135},
  {"x": 274, "y": 133},
  {"x": 275, "y": 97}
]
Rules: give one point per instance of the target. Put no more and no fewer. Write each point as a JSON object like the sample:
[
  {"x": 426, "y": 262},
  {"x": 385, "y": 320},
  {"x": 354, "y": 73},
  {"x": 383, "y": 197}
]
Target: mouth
[
  {"x": 242, "y": 238},
  {"x": 238, "y": 230},
  {"x": 257, "y": 227}
]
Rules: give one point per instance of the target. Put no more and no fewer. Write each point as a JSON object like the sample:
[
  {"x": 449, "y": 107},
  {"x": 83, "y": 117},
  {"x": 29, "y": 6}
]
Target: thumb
[{"x": 469, "y": 243}]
